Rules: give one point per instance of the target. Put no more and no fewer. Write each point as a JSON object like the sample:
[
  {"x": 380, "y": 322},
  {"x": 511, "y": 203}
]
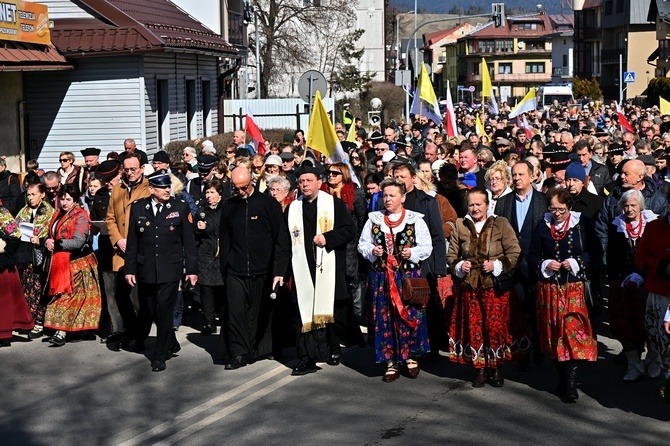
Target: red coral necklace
[{"x": 559, "y": 234}]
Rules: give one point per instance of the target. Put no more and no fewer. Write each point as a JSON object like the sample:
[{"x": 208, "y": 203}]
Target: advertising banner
[{"x": 24, "y": 22}]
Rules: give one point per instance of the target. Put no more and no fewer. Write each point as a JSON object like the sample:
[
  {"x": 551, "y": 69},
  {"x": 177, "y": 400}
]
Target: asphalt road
[{"x": 84, "y": 394}]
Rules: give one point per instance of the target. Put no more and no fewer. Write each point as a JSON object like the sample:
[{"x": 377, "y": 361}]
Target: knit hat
[
  {"x": 576, "y": 171},
  {"x": 162, "y": 157}
]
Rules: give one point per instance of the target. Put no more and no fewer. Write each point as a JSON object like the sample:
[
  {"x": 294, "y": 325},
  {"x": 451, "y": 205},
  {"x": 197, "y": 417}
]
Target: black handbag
[{"x": 504, "y": 281}]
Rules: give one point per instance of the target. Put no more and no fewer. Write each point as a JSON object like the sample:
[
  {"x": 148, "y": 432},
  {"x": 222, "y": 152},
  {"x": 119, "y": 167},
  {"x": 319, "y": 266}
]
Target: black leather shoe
[
  {"x": 304, "y": 368},
  {"x": 480, "y": 379},
  {"x": 206, "y": 330},
  {"x": 335, "y": 358},
  {"x": 115, "y": 337},
  {"x": 173, "y": 351},
  {"x": 236, "y": 363},
  {"x": 57, "y": 341},
  {"x": 6, "y": 343},
  {"x": 157, "y": 365}
]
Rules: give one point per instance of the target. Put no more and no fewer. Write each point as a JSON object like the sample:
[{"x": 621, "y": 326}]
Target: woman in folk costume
[
  {"x": 627, "y": 297},
  {"x": 320, "y": 228},
  {"x": 652, "y": 257},
  {"x": 37, "y": 212},
  {"x": 14, "y": 311},
  {"x": 73, "y": 286},
  {"x": 483, "y": 321},
  {"x": 396, "y": 241},
  {"x": 560, "y": 252}
]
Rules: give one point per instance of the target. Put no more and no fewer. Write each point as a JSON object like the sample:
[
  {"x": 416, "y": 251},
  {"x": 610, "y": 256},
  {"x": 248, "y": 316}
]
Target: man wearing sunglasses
[{"x": 252, "y": 230}]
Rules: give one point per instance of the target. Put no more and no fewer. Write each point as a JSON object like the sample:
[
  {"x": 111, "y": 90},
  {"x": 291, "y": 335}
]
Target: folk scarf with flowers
[{"x": 63, "y": 226}]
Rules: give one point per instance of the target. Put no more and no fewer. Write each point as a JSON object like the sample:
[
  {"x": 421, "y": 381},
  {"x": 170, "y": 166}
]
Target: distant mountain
[{"x": 469, "y": 6}]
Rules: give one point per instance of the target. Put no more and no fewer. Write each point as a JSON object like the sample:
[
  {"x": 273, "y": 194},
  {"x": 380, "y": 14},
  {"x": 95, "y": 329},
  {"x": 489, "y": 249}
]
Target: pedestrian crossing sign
[{"x": 629, "y": 77}]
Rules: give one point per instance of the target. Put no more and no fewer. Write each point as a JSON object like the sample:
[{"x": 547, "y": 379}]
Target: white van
[{"x": 549, "y": 93}]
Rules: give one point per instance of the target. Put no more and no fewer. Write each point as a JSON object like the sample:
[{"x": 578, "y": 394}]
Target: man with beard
[{"x": 320, "y": 227}]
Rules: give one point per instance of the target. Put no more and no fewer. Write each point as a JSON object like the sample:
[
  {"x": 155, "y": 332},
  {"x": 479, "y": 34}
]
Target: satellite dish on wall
[{"x": 521, "y": 45}]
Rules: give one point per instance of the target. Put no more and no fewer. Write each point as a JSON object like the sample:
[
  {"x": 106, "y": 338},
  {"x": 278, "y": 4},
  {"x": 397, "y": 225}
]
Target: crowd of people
[{"x": 502, "y": 243}]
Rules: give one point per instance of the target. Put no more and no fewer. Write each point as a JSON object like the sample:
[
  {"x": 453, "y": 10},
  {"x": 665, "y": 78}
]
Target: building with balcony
[
  {"x": 519, "y": 54},
  {"x": 588, "y": 40},
  {"x": 435, "y": 54},
  {"x": 627, "y": 39}
]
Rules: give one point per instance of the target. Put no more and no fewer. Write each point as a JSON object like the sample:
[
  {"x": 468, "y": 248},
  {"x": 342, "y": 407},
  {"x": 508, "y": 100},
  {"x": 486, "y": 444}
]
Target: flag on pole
[
  {"x": 528, "y": 103},
  {"x": 321, "y": 136},
  {"x": 487, "y": 87},
  {"x": 623, "y": 122},
  {"x": 450, "y": 115},
  {"x": 425, "y": 101},
  {"x": 351, "y": 136},
  {"x": 254, "y": 132},
  {"x": 479, "y": 127},
  {"x": 664, "y": 106}
]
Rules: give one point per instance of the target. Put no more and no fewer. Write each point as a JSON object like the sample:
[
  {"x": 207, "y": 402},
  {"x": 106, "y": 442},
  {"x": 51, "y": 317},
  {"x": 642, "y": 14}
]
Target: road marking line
[
  {"x": 225, "y": 412},
  {"x": 141, "y": 438}
]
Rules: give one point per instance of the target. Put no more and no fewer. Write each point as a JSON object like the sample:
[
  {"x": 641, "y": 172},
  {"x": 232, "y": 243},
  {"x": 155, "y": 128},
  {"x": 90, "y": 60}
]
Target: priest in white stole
[{"x": 320, "y": 227}]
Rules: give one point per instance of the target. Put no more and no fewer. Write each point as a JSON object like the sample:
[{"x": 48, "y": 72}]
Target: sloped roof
[
  {"x": 434, "y": 37},
  {"x": 125, "y": 25},
  {"x": 661, "y": 7},
  {"x": 23, "y": 56},
  {"x": 546, "y": 27}
]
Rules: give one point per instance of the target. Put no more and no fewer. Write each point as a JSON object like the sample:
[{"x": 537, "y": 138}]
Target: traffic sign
[
  {"x": 309, "y": 83},
  {"x": 629, "y": 77},
  {"x": 471, "y": 88}
]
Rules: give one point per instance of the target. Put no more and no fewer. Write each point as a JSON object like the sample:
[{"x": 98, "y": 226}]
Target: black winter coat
[{"x": 207, "y": 240}]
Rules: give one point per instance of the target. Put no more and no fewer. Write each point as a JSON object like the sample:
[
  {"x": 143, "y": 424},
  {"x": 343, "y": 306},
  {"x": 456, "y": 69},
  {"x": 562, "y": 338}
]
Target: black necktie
[{"x": 158, "y": 208}]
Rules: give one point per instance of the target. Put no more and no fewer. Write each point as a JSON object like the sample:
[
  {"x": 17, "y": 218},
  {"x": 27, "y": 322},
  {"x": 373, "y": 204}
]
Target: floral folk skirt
[
  {"x": 484, "y": 329},
  {"x": 394, "y": 340},
  {"x": 626, "y": 314},
  {"x": 32, "y": 288},
  {"x": 563, "y": 322},
  {"x": 14, "y": 312},
  {"x": 653, "y": 320},
  {"x": 80, "y": 310}
]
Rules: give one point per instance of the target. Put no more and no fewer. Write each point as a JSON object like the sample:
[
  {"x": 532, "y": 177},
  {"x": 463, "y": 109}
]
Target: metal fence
[{"x": 292, "y": 113}]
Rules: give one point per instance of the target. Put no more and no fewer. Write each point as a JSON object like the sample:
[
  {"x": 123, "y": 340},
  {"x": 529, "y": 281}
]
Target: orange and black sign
[{"x": 24, "y": 22}]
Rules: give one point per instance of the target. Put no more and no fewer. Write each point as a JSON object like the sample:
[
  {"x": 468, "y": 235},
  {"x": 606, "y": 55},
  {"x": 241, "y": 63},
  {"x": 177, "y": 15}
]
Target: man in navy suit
[
  {"x": 524, "y": 209},
  {"x": 161, "y": 243}
]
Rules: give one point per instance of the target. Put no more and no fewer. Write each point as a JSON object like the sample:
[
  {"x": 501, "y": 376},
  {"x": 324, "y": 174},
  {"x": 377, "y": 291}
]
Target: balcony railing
[
  {"x": 611, "y": 55},
  {"x": 522, "y": 77}
]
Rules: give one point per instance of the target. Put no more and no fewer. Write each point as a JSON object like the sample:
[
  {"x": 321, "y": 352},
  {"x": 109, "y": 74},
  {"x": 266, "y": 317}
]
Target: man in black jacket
[
  {"x": 10, "y": 189},
  {"x": 524, "y": 209},
  {"x": 584, "y": 201},
  {"x": 161, "y": 244},
  {"x": 254, "y": 242},
  {"x": 598, "y": 173}
]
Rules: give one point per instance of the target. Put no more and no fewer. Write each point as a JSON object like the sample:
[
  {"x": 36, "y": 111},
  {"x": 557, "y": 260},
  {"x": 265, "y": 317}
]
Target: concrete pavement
[{"x": 83, "y": 394}]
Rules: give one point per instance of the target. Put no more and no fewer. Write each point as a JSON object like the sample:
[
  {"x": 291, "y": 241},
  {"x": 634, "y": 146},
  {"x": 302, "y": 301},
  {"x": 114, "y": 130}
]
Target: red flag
[
  {"x": 623, "y": 122},
  {"x": 254, "y": 132},
  {"x": 527, "y": 127}
]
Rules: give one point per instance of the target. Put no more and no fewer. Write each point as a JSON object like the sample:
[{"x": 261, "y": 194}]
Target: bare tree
[{"x": 296, "y": 35}]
